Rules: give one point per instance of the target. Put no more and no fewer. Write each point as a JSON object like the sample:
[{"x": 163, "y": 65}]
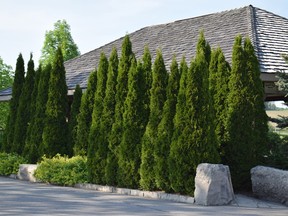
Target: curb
[{"x": 139, "y": 193}]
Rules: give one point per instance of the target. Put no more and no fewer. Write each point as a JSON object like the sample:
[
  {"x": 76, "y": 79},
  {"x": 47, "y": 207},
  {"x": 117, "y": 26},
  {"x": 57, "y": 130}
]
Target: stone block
[
  {"x": 26, "y": 172},
  {"x": 123, "y": 191},
  {"x": 270, "y": 184},
  {"x": 213, "y": 185}
]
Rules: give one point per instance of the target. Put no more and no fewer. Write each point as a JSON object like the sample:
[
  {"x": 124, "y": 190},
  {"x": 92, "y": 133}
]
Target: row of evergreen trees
[
  {"x": 143, "y": 127},
  {"x": 37, "y": 122},
  {"x": 140, "y": 126}
]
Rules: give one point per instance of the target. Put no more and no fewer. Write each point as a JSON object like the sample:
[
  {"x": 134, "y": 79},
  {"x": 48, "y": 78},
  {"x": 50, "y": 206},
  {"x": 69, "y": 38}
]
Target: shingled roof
[{"x": 268, "y": 32}]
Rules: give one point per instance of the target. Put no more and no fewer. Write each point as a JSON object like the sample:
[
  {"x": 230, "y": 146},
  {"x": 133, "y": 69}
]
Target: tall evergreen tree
[
  {"x": 72, "y": 125},
  {"x": 134, "y": 122},
  {"x": 166, "y": 128},
  {"x": 24, "y": 110},
  {"x": 85, "y": 116},
  {"x": 32, "y": 112},
  {"x": 55, "y": 133},
  {"x": 14, "y": 103},
  {"x": 97, "y": 152},
  {"x": 121, "y": 93},
  {"x": 196, "y": 143},
  {"x": 107, "y": 119},
  {"x": 147, "y": 69},
  {"x": 219, "y": 71},
  {"x": 34, "y": 139},
  {"x": 157, "y": 100}
]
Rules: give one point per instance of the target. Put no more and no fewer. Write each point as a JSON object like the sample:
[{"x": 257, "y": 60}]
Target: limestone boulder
[
  {"x": 26, "y": 172},
  {"x": 213, "y": 185},
  {"x": 270, "y": 184}
]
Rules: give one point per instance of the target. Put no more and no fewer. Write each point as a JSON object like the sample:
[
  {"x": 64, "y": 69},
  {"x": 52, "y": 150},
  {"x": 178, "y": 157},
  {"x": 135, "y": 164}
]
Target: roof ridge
[
  {"x": 282, "y": 17},
  {"x": 252, "y": 29}
]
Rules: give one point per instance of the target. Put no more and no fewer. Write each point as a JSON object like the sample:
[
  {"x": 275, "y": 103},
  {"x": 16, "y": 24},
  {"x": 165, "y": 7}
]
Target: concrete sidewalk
[{"x": 24, "y": 198}]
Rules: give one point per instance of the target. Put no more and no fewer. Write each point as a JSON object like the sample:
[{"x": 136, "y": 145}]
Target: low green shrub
[
  {"x": 61, "y": 170},
  {"x": 9, "y": 163}
]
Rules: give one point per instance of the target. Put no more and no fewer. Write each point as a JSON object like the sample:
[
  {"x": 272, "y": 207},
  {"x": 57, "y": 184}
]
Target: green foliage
[
  {"x": 72, "y": 124},
  {"x": 277, "y": 154},
  {"x": 6, "y": 80},
  {"x": 196, "y": 143},
  {"x": 59, "y": 37},
  {"x": 85, "y": 116},
  {"x": 121, "y": 93},
  {"x": 134, "y": 122},
  {"x": 35, "y": 130},
  {"x": 246, "y": 120},
  {"x": 282, "y": 82},
  {"x": 62, "y": 170},
  {"x": 24, "y": 110},
  {"x": 219, "y": 73},
  {"x": 55, "y": 132},
  {"x": 96, "y": 150},
  {"x": 9, "y": 163},
  {"x": 157, "y": 100},
  {"x": 107, "y": 119},
  {"x": 14, "y": 104},
  {"x": 166, "y": 128}
]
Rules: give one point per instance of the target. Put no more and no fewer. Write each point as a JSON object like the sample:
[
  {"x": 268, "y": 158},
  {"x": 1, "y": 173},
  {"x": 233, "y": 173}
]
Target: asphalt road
[{"x": 24, "y": 198}]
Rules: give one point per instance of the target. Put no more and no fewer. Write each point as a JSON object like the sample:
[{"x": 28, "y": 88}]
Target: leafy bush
[
  {"x": 9, "y": 163},
  {"x": 277, "y": 155},
  {"x": 61, "y": 170}
]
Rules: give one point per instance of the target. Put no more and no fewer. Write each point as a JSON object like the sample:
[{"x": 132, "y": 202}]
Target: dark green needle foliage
[
  {"x": 166, "y": 128},
  {"x": 97, "y": 152},
  {"x": 85, "y": 116},
  {"x": 75, "y": 109},
  {"x": 14, "y": 103},
  {"x": 24, "y": 110},
  {"x": 55, "y": 133},
  {"x": 157, "y": 100}
]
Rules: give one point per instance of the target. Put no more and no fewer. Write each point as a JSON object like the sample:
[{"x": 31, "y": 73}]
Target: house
[{"x": 267, "y": 31}]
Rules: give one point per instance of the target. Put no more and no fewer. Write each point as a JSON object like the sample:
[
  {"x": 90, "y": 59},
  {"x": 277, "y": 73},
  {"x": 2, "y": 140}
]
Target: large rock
[
  {"x": 213, "y": 185},
  {"x": 26, "y": 172},
  {"x": 270, "y": 184}
]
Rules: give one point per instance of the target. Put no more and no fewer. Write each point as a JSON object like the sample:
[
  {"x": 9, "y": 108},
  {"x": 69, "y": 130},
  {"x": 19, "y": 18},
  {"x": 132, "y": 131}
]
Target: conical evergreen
[
  {"x": 107, "y": 119},
  {"x": 34, "y": 139},
  {"x": 166, "y": 128},
  {"x": 72, "y": 125},
  {"x": 14, "y": 103},
  {"x": 121, "y": 93},
  {"x": 219, "y": 71},
  {"x": 147, "y": 70},
  {"x": 157, "y": 100},
  {"x": 85, "y": 116},
  {"x": 24, "y": 110},
  {"x": 55, "y": 133},
  {"x": 96, "y": 160},
  {"x": 134, "y": 122},
  {"x": 32, "y": 114},
  {"x": 196, "y": 143}
]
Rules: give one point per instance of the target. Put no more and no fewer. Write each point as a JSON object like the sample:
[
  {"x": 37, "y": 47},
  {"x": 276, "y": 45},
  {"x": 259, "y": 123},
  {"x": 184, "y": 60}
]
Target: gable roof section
[{"x": 177, "y": 38}]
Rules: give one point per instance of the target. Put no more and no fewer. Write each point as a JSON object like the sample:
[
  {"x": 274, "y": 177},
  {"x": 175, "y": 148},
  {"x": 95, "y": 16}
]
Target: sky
[{"x": 95, "y": 23}]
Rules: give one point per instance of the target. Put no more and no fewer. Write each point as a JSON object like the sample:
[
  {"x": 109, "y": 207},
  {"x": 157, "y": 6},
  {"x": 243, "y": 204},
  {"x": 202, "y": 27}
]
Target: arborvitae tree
[
  {"x": 55, "y": 133},
  {"x": 134, "y": 122},
  {"x": 219, "y": 71},
  {"x": 34, "y": 137},
  {"x": 96, "y": 160},
  {"x": 165, "y": 129},
  {"x": 24, "y": 110},
  {"x": 197, "y": 142},
  {"x": 107, "y": 119},
  {"x": 72, "y": 125},
  {"x": 14, "y": 103},
  {"x": 147, "y": 69},
  {"x": 239, "y": 150},
  {"x": 32, "y": 113},
  {"x": 121, "y": 93},
  {"x": 157, "y": 100},
  {"x": 260, "y": 125},
  {"x": 85, "y": 116}
]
